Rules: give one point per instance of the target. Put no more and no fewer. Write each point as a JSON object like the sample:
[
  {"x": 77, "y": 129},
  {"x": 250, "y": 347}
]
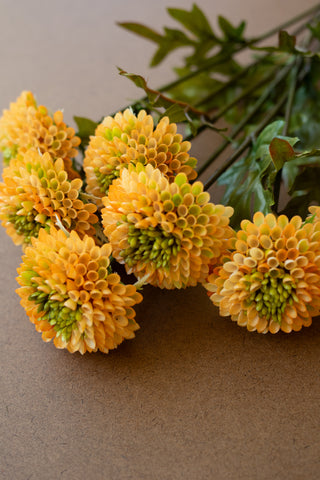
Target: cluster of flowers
[{"x": 140, "y": 188}]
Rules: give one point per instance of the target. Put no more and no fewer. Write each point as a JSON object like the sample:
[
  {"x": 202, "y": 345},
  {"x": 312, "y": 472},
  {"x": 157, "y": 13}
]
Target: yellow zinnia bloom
[
  {"x": 37, "y": 191},
  {"x": 26, "y": 125},
  {"x": 166, "y": 232},
  {"x": 270, "y": 280},
  {"x": 126, "y": 139},
  {"x": 71, "y": 295}
]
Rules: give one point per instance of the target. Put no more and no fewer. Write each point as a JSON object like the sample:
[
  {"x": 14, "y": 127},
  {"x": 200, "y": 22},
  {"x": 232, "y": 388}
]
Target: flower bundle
[{"x": 137, "y": 197}]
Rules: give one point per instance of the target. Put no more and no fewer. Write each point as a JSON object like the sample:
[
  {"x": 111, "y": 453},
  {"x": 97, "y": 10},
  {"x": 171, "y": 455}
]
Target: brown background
[{"x": 193, "y": 396}]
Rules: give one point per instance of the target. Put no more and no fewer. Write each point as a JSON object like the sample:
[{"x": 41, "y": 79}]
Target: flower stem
[
  {"x": 243, "y": 95},
  {"x": 287, "y": 117},
  {"x": 255, "y": 108},
  {"x": 243, "y": 72},
  {"x": 248, "y": 140},
  {"x": 288, "y": 23},
  {"x": 213, "y": 62}
]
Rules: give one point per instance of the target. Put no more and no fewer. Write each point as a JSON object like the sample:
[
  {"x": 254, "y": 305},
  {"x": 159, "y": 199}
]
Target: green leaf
[
  {"x": 253, "y": 177},
  {"x": 234, "y": 34},
  {"x": 250, "y": 192},
  {"x": 86, "y": 128},
  {"x": 173, "y": 39},
  {"x": 269, "y": 133},
  {"x": 281, "y": 151},
  {"x": 287, "y": 42},
  {"x": 195, "y": 21},
  {"x": 142, "y": 30},
  {"x": 315, "y": 30},
  {"x": 196, "y": 89},
  {"x": 169, "y": 41},
  {"x": 154, "y": 96},
  {"x": 175, "y": 113},
  {"x": 305, "y": 192}
]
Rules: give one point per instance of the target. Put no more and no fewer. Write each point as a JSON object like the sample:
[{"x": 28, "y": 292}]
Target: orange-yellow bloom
[
  {"x": 26, "y": 125},
  {"x": 314, "y": 214},
  {"x": 36, "y": 191},
  {"x": 270, "y": 279},
  {"x": 71, "y": 295},
  {"x": 126, "y": 139},
  {"x": 165, "y": 232}
]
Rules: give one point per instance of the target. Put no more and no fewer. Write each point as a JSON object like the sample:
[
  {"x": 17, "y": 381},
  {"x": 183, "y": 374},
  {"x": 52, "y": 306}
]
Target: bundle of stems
[{"x": 248, "y": 100}]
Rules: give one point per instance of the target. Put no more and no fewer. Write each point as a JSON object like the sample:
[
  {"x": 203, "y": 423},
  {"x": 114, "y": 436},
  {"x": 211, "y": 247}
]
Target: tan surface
[{"x": 193, "y": 396}]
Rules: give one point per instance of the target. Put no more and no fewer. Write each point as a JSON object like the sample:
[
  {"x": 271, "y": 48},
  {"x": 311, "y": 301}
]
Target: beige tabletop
[{"x": 193, "y": 396}]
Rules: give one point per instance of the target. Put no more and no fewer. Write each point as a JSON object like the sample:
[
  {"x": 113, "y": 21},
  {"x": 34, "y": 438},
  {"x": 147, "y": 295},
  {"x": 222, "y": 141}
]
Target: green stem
[
  {"x": 239, "y": 48},
  {"x": 243, "y": 95},
  {"x": 243, "y": 72},
  {"x": 255, "y": 108},
  {"x": 248, "y": 140},
  {"x": 231, "y": 82},
  {"x": 288, "y": 23},
  {"x": 292, "y": 91},
  {"x": 214, "y": 61},
  {"x": 246, "y": 143},
  {"x": 287, "y": 117}
]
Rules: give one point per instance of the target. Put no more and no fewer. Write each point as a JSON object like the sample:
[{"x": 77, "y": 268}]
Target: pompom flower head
[
  {"x": 165, "y": 232},
  {"x": 26, "y": 125},
  {"x": 126, "y": 139},
  {"x": 314, "y": 215},
  {"x": 270, "y": 281},
  {"x": 36, "y": 192},
  {"x": 71, "y": 295}
]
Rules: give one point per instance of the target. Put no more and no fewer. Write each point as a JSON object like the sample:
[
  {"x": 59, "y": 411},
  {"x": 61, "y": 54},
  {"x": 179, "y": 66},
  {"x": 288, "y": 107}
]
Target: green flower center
[
  {"x": 277, "y": 290},
  {"x": 150, "y": 245},
  {"x": 63, "y": 319},
  {"x": 104, "y": 181},
  {"x": 9, "y": 153},
  {"x": 26, "y": 225}
]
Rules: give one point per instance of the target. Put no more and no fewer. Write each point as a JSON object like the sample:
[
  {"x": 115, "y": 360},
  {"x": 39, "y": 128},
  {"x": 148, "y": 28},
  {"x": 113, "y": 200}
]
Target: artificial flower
[
  {"x": 36, "y": 192},
  {"x": 126, "y": 139},
  {"x": 314, "y": 215},
  {"x": 28, "y": 125},
  {"x": 165, "y": 232},
  {"x": 71, "y": 295},
  {"x": 270, "y": 279}
]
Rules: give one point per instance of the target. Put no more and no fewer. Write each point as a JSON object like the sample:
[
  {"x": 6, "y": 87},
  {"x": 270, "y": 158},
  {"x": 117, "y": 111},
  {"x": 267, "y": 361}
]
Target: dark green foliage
[
  {"x": 249, "y": 182},
  {"x": 211, "y": 85},
  {"x": 86, "y": 128}
]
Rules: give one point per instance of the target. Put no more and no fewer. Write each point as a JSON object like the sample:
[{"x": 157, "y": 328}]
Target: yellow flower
[
  {"x": 71, "y": 295},
  {"x": 166, "y": 231},
  {"x": 36, "y": 191},
  {"x": 314, "y": 214},
  {"x": 26, "y": 125},
  {"x": 270, "y": 281},
  {"x": 128, "y": 139}
]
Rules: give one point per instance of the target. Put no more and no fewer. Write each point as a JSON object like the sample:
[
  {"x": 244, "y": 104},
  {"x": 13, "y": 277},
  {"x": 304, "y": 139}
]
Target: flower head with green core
[
  {"x": 270, "y": 280},
  {"x": 127, "y": 138},
  {"x": 72, "y": 296},
  {"x": 165, "y": 232},
  {"x": 36, "y": 192},
  {"x": 28, "y": 125}
]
